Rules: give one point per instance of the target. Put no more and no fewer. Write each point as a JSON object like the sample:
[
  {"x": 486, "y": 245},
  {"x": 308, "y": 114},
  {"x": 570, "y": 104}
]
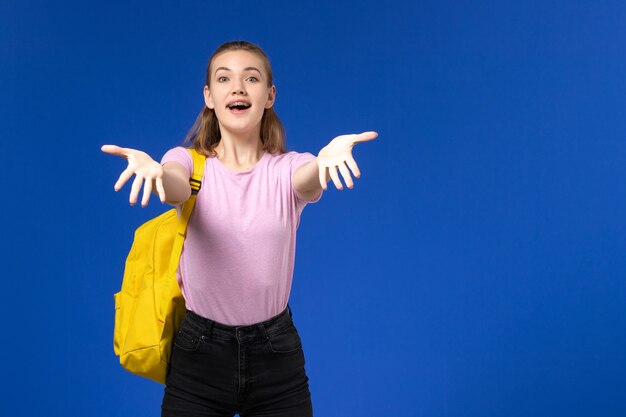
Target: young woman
[{"x": 237, "y": 350}]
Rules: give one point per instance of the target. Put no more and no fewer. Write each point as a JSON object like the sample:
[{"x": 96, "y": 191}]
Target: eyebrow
[{"x": 245, "y": 69}]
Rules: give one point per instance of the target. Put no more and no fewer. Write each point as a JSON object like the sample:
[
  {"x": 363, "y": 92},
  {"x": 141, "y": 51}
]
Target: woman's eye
[
  {"x": 221, "y": 79},
  {"x": 253, "y": 79}
]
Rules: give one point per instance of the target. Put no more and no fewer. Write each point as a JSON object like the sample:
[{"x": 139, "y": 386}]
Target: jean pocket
[
  {"x": 186, "y": 342},
  {"x": 188, "y": 337},
  {"x": 285, "y": 342}
]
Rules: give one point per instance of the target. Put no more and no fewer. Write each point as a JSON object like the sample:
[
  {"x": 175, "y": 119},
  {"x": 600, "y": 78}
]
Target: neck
[{"x": 239, "y": 149}]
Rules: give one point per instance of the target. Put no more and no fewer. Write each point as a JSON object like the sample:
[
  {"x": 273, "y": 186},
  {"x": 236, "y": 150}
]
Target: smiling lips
[{"x": 238, "y": 106}]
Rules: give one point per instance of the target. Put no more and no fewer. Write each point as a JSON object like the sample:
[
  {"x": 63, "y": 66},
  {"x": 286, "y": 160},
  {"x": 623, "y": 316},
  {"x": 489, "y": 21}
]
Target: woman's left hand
[{"x": 338, "y": 154}]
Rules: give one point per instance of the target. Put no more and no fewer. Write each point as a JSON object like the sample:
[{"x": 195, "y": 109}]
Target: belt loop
[
  {"x": 262, "y": 327},
  {"x": 211, "y": 329}
]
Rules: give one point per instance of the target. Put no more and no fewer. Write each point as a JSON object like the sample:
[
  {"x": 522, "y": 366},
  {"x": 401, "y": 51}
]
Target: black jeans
[{"x": 219, "y": 370}]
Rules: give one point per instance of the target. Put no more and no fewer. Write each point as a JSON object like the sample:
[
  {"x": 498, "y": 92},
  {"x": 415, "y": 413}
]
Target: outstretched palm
[
  {"x": 144, "y": 168},
  {"x": 337, "y": 154}
]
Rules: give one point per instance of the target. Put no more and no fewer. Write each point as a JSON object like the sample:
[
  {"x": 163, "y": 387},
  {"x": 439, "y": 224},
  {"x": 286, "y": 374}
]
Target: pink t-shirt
[{"x": 238, "y": 258}]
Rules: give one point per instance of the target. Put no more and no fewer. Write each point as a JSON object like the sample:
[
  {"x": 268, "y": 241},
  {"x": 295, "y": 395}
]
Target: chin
[{"x": 240, "y": 128}]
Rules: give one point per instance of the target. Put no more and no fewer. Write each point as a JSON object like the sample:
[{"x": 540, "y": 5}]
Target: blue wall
[{"x": 476, "y": 269}]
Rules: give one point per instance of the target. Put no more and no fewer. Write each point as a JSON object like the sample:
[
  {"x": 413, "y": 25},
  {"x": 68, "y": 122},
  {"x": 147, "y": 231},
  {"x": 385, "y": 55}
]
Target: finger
[
  {"x": 124, "y": 176},
  {"x": 335, "y": 177},
  {"x": 114, "y": 150},
  {"x": 160, "y": 189},
  {"x": 134, "y": 191},
  {"x": 346, "y": 175},
  {"x": 322, "y": 174},
  {"x": 147, "y": 190},
  {"x": 365, "y": 136},
  {"x": 353, "y": 166}
]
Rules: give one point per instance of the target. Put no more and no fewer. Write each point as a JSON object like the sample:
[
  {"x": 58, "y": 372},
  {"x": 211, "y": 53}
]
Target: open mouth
[{"x": 238, "y": 106}]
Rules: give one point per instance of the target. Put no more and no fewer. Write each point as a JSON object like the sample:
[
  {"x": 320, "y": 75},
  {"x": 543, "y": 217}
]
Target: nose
[{"x": 238, "y": 88}]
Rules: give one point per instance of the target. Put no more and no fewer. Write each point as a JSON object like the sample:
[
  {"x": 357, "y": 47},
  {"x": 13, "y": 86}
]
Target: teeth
[{"x": 238, "y": 104}]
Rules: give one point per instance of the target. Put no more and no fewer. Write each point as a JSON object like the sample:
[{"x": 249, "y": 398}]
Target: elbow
[{"x": 180, "y": 198}]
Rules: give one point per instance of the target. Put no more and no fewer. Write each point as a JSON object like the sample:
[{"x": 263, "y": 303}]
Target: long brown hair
[{"x": 205, "y": 133}]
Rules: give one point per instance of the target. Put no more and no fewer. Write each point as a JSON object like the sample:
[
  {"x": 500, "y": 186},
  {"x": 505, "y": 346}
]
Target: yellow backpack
[{"x": 150, "y": 305}]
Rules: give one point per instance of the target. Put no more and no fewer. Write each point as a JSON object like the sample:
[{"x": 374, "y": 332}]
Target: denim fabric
[{"x": 219, "y": 370}]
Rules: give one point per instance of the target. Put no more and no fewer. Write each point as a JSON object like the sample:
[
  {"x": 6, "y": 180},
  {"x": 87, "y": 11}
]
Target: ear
[
  {"x": 208, "y": 98},
  {"x": 271, "y": 97}
]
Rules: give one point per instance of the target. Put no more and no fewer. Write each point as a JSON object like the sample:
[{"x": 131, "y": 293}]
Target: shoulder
[
  {"x": 292, "y": 160},
  {"x": 179, "y": 154}
]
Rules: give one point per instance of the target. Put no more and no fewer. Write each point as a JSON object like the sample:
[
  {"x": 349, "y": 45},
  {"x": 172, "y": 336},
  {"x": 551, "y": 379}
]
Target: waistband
[{"x": 268, "y": 327}]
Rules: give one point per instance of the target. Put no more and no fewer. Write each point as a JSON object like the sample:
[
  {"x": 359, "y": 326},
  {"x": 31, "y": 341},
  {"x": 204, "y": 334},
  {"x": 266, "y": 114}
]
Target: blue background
[{"x": 476, "y": 269}]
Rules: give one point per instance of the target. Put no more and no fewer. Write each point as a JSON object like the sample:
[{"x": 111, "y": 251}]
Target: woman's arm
[
  {"x": 306, "y": 180},
  {"x": 310, "y": 178},
  {"x": 176, "y": 183}
]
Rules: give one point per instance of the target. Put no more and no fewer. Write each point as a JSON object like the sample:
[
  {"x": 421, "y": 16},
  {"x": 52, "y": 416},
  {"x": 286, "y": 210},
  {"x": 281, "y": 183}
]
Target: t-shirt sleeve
[
  {"x": 180, "y": 155},
  {"x": 295, "y": 161}
]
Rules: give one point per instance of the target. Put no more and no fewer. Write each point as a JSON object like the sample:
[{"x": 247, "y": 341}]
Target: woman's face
[{"x": 238, "y": 91}]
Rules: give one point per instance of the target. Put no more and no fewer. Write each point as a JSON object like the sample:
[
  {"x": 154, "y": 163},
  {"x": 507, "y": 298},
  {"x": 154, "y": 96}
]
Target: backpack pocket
[{"x": 123, "y": 308}]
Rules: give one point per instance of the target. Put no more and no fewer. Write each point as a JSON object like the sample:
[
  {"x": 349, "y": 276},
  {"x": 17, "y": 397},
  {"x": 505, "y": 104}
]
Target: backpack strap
[
  {"x": 196, "y": 183},
  {"x": 198, "y": 169}
]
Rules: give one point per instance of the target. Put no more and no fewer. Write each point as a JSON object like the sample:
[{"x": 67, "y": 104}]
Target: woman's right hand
[{"x": 145, "y": 169}]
